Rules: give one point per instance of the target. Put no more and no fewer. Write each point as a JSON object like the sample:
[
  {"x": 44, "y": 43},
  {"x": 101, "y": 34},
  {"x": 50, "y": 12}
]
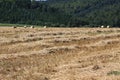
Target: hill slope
[
  {"x": 91, "y": 11},
  {"x": 27, "y": 12},
  {"x": 61, "y": 12}
]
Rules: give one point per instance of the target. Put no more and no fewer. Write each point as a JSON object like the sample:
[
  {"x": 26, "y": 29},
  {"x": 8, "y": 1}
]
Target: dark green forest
[{"x": 61, "y": 13}]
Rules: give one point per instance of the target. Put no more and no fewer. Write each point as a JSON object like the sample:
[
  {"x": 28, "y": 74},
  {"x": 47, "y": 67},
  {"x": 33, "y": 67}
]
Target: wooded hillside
[{"x": 61, "y": 12}]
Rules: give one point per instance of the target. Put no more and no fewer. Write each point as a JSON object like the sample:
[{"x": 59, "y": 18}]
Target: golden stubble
[{"x": 59, "y": 53}]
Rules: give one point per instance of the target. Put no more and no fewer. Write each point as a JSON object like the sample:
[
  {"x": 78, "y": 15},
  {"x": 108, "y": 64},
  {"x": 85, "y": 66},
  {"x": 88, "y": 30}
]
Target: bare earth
[{"x": 59, "y": 53}]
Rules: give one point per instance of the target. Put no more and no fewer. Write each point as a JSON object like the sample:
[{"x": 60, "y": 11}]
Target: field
[{"x": 59, "y": 53}]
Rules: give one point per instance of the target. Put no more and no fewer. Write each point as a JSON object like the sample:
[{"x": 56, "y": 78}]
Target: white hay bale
[
  {"x": 31, "y": 26},
  {"x": 45, "y": 26},
  {"x": 102, "y": 26},
  {"x": 108, "y": 26},
  {"x": 14, "y": 27},
  {"x": 25, "y": 26}
]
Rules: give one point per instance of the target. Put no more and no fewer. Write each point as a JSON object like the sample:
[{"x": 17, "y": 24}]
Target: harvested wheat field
[{"x": 59, "y": 53}]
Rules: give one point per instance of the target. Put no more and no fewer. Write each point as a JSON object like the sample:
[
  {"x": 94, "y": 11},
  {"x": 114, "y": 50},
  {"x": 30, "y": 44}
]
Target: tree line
[{"x": 61, "y": 13}]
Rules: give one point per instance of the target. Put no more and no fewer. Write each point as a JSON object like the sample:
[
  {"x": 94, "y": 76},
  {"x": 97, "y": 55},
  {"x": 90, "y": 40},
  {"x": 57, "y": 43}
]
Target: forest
[{"x": 61, "y": 13}]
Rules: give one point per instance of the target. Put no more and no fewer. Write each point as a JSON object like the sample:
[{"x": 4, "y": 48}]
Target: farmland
[{"x": 59, "y": 53}]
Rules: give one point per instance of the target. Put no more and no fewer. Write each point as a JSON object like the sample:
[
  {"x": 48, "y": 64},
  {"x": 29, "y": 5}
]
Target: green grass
[
  {"x": 114, "y": 73},
  {"x": 18, "y": 25},
  {"x": 5, "y": 24}
]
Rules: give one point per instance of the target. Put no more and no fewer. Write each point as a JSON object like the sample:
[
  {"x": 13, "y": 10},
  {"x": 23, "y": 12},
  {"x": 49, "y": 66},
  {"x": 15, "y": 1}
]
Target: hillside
[
  {"x": 27, "y": 12},
  {"x": 61, "y": 12},
  {"x": 93, "y": 12}
]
